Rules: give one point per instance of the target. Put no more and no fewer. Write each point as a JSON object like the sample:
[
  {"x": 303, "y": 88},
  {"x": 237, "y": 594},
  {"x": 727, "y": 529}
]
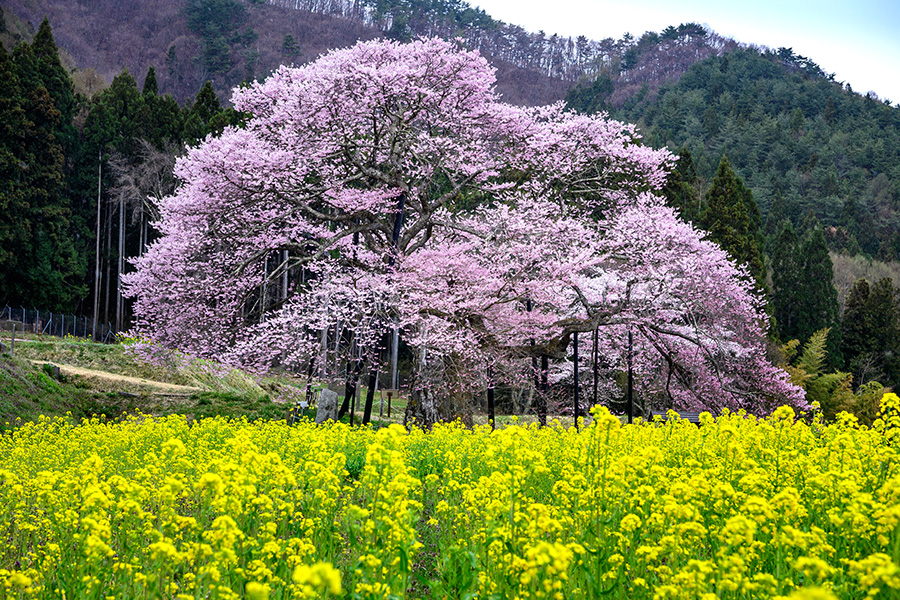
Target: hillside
[
  {"x": 801, "y": 142},
  {"x": 52, "y": 377},
  {"x": 225, "y": 41},
  {"x": 229, "y": 41}
]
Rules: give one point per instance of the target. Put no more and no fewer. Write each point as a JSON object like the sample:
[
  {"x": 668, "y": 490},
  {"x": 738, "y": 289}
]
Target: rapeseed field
[{"x": 740, "y": 507}]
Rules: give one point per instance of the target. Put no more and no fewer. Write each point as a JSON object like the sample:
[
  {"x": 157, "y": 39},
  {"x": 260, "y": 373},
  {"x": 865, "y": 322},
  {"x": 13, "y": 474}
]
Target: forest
[{"x": 796, "y": 176}]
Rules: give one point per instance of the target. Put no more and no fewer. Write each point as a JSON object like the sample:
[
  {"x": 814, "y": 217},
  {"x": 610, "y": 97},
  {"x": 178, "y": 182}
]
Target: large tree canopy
[{"x": 387, "y": 184}]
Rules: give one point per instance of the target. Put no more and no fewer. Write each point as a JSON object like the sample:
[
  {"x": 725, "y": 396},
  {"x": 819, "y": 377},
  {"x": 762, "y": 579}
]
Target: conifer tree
[
  {"x": 682, "y": 189},
  {"x": 13, "y": 203},
  {"x": 871, "y": 332},
  {"x": 856, "y": 326},
  {"x": 787, "y": 295},
  {"x": 54, "y": 77},
  {"x": 201, "y": 113},
  {"x": 150, "y": 88},
  {"x": 819, "y": 308},
  {"x": 732, "y": 219},
  {"x": 884, "y": 313},
  {"x": 161, "y": 121},
  {"x": 46, "y": 265}
]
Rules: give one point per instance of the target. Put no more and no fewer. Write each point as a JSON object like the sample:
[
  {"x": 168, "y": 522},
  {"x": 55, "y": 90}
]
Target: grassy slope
[{"x": 28, "y": 389}]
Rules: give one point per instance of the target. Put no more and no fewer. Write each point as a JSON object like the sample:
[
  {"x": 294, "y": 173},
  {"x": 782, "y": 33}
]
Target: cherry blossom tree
[{"x": 387, "y": 185}]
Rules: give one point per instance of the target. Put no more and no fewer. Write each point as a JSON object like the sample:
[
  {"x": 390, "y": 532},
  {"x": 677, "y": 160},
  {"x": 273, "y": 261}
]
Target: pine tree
[
  {"x": 52, "y": 74},
  {"x": 115, "y": 116},
  {"x": 732, "y": 219},
  {"x": 161, "y": 120},
  {"x": 206, "y": 116}
]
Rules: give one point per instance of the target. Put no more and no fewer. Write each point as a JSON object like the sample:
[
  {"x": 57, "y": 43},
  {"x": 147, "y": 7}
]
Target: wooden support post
[
  {"x": 545, "y": 390},
  {"x": 596, "y": 351},
  {"x": 577, "y": 383},
  {"x": 630, "y": 378},
  {"x": 370, "y": 392},
  {"x": 490, "y": 397}
]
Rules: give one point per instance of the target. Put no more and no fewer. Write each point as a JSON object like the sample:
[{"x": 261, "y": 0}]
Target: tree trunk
[
  {"x": 427, "y": 383},
  {"x": 437, "y": 393},
  {"x": 109, "y": 218}
]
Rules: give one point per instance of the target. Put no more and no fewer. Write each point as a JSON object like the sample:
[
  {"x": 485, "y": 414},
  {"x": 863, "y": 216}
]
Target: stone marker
[{"x": 328, "y": 406}]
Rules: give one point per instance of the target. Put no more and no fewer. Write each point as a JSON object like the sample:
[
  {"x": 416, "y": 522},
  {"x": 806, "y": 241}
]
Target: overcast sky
[{"x": 857, "y": 41}]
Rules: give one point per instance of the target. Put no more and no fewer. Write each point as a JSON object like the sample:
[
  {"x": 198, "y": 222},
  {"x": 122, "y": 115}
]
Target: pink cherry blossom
[{"x": 500, "y": 206}]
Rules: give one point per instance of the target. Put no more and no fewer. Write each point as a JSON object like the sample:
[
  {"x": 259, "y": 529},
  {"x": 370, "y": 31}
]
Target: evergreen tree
[
  {"x": 151, "y": 88},
  {"x": 54, "y": 77},
  {"x": 593, "y": 98},
  {"x": 289, "y": 46},
  {"x": 732, "y": 219},
  {"x": 46, "y": 269},
  {"x": 682, "y": 189},
  {"x": 787, "y": 271},
  {"x": 819, "y": 308},
  {"x": 856, "y": 326},
  {"x": 161, "y": 120},
  {"x": 775, "y": 218},
  {"x": 201, "y": 113},
  {"x": 884, "y": 313},
  {"x": 206, "y": 116},
  {"x": 13, "y": 202},
  {"x": 115, "y": 120},
  {"x": 871, "y": 332}
]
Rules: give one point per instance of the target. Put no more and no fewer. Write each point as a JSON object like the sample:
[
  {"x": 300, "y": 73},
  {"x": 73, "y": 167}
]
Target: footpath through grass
[{"x": 109, "y": 380}]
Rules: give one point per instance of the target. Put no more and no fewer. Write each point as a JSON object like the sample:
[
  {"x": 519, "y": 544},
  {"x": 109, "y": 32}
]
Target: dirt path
[{"x": 114, "y": 378}]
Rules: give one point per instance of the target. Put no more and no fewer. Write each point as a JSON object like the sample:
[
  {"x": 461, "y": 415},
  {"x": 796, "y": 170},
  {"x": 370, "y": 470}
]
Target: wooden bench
[{"x": 690, "y": 417}]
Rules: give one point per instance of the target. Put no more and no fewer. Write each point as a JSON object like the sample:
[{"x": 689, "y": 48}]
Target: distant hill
[
  {"x": 802, "y": 142},
  {"x": 225, "y": 41},
  {"x": 229, "y": 41}
]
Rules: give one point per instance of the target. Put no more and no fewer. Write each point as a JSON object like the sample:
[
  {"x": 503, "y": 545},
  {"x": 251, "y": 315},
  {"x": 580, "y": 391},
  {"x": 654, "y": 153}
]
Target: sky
[{"x": 857, "y": 41}]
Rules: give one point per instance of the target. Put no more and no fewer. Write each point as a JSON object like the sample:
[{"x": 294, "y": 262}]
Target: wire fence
[{"x": 56, "y": 324}]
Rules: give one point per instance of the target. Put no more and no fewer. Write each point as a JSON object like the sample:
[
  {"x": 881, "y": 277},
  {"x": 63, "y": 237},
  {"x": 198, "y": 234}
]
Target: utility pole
[
  {"x": 97, "y": 256},
  {"x": 120, "y": 302}
]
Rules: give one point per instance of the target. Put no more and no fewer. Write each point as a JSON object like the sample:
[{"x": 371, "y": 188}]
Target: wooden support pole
[
  {"x": 490, "y": 397},
  {"x": 630, "y": 378},
  {"x": 577, "y": 382}
]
